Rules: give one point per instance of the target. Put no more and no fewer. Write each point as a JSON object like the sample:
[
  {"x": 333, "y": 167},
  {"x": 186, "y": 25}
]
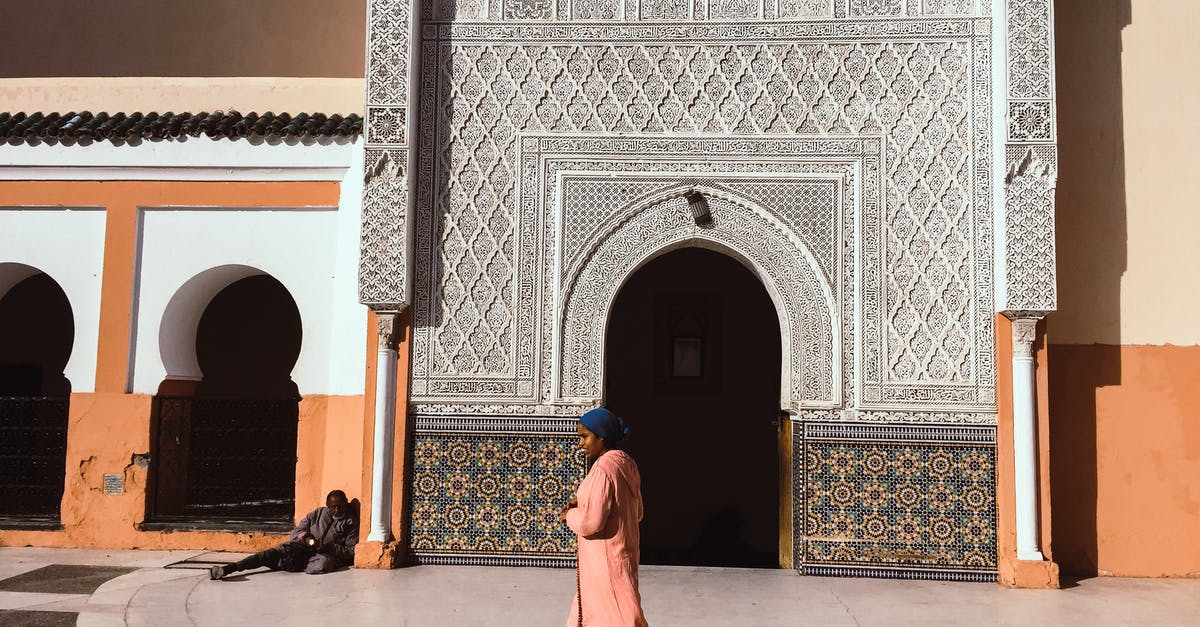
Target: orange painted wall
[
  {"x": 1126, "y": 460},
  {"x": 1014, "y": 572},
  {"x": 109, "y": 430},
  {"x": 401, "y": 437},
  {"x": 105, "y": 432},
  {"x": 329, "y": 452},
  {"x": 110, "y": 434}
]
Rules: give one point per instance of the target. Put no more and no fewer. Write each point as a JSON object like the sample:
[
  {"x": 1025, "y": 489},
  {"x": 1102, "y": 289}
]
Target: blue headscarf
[{"x": 605, "y": 424}]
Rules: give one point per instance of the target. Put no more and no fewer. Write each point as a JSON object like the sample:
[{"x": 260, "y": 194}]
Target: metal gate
[
  {"x": 223, "y": 460},
  {"x": 33, "y": 457}
]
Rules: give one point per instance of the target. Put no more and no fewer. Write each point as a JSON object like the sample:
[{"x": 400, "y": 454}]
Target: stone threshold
[
  {"x": 30, "y": 523},
  {"x": 216, "y": 524}
]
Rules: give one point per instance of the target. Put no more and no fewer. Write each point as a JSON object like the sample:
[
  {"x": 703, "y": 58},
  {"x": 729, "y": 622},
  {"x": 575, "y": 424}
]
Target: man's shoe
[{"x": 217, "y": 572}]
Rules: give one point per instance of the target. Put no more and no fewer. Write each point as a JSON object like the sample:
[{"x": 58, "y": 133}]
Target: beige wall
[
  {"x": 293, "y": 95},
  {"x": 1128, "y": 217},
  {"x": 175, "y": 38}
]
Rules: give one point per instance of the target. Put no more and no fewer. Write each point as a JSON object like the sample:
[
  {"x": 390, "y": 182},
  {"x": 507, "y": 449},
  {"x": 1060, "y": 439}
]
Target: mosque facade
[
  {"x": 885, "y": 169},
  {"x": 806, "y": 248}
]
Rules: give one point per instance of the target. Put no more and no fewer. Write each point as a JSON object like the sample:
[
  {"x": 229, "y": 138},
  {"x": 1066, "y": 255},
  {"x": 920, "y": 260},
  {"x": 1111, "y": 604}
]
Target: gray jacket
[{"x": 336, "y": 536}]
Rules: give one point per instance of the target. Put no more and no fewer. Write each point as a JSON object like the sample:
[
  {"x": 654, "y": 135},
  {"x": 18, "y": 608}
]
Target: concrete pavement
[{"x": 150, "y": 594}]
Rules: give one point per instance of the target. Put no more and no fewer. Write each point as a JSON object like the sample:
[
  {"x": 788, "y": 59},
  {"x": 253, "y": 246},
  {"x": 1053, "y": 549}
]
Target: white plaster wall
[
  {"x": 186, "y": 159},
  {"x": 68, "y": 245},
  {"x": 304, "y": 248},
  {"x": 347, "y": 331}
]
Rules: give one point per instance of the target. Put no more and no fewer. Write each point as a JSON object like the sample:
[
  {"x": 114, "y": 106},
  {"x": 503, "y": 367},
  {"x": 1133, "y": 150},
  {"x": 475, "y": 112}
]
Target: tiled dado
[
  {"x": 871, "y": 500},
  {"x": 901, "y": 501},
  {"x": 487, "y": 491}
]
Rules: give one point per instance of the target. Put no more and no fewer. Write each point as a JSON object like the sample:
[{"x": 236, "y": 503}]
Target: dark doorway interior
[
  {"x": 37, "y": 330},
  {"x": 227, "y": 453},
  {"x": 693, "y": 367}
]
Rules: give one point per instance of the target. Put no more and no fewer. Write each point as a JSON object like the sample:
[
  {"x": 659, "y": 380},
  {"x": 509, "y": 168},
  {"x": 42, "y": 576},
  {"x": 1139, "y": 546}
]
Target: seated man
[{"x": 323, "y": 542}]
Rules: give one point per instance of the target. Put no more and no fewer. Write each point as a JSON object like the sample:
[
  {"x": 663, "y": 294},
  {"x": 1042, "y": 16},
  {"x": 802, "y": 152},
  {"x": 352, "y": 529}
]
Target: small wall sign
[{"x": 114, "y": 484}]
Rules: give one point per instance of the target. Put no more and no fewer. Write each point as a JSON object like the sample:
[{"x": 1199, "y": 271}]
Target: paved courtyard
[{"x": 51, "y": 587}]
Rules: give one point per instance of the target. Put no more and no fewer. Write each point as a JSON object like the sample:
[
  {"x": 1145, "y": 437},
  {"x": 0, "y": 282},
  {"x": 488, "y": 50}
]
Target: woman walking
[{"x": 605, "y": 515}]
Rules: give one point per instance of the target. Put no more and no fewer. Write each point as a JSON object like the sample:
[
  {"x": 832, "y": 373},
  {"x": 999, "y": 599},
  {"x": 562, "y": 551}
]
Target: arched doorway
[
  {"x": 226, "y": 445},
  {"x": 693, "y": 364},
  {"x": 37, "y": 331}
]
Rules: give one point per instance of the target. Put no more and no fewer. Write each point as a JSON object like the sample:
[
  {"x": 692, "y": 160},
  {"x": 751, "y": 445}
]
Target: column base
[
  {"x": 378, "y": 555},
  {"x": 1029, "y": 574}
]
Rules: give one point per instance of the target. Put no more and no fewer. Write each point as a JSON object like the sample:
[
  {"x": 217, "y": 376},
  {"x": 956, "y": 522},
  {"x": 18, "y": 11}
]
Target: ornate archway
[{"x": 661, "y": 222}]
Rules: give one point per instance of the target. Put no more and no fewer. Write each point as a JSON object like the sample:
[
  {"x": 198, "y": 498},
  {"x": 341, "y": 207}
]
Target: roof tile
[{"x": 31, "y": 127}]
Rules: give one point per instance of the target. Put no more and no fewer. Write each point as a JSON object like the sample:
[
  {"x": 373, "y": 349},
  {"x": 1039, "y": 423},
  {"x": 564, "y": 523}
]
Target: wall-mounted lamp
[{"x": 699, "y": 206}]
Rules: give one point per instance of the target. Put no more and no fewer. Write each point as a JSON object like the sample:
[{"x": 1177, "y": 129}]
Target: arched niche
[
  {"x": 37, "y": 333},
  {"x": 181, "y": 318}
]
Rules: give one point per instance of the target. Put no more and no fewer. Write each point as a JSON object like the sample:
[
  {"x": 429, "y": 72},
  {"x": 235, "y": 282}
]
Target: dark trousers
[{"x": 291, "y": 556}]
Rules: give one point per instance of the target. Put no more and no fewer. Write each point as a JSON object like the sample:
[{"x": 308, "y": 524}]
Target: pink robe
[{"x": 606, "y": 521}]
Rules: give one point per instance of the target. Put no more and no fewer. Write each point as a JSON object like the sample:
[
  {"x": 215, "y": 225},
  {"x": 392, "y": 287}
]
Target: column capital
[
  {"x": 388, "y": 329},
  {"x": 1024, "y": 333}
]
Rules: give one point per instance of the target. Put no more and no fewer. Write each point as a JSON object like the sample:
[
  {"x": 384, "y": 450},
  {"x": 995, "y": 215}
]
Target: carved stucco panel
[
  {"x": 388, "y": 36},
  {"x": 382, "y": 277},
  {"x": 1029, "y": 228},
  {"x": 384, "y": 256},
  {"x": 1029, "y": 272},
  {"x": 480, "y": 238},
  {"x": 1029, "y": 52},
  {"x": 665, "y": 10},
  {"x": 863, "y": 8}
]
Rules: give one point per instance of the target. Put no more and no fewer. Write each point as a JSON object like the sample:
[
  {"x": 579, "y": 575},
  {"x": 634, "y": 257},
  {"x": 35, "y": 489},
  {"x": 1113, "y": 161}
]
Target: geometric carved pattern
[
  {"x": 948, "y": 7},
  {"x": 665, "y": 9},
  {"x": 596, "y": 10},
  {"x": 1031, "y": 121},
  {"x": 1028, "y": 274},
  {"x": 1029, "y": 49},
  {"x": 920, "y": 94},
  {"x": 734, "y": 9},
  {"x": 690, "y": 10},
  {"x": 1029, "y": 229},
  {"x": 384, "y": 252},
  {"x": 528, "y": 9},
  {"x": 387, "y": 52},
  {"x": 808, "y": 206},
  {"x": 805, "y": 8},
  {"x": 875, "y": 8},
  {"x": 589, "y": 201},
  {"x": 385, "y": 202},
  {"x": 386, "y": 125},
  {"x": 493, "y": 497},
  {"x": 911, "y": 502}
]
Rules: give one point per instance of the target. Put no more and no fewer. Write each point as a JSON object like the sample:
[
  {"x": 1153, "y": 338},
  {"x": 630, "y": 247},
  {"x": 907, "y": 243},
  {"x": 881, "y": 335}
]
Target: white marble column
[
  {"x": 1024, "y": 332},
  {"x": 385, "y": 421}
]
